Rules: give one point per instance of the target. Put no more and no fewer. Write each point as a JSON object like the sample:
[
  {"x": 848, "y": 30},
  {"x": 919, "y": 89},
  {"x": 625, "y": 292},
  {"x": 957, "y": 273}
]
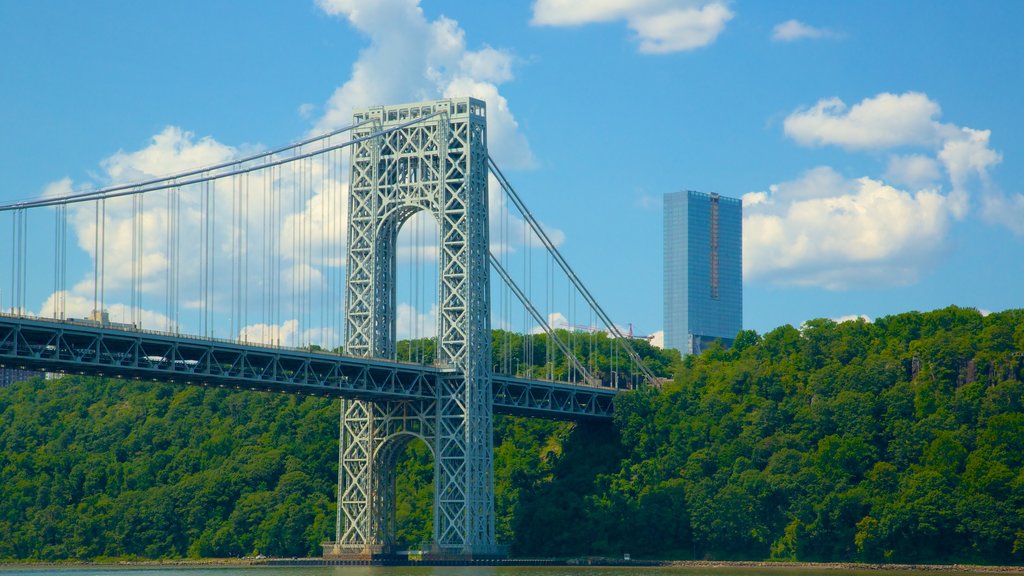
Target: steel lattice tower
[{"x": 431, "y": 157}]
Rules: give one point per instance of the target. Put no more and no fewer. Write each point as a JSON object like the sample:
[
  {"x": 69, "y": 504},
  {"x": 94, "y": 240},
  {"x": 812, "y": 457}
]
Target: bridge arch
[{"x": 389, "y": 456}]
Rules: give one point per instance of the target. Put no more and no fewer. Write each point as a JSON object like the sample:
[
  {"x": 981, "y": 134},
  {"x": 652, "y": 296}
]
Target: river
[{"x": 444, "y": 571}]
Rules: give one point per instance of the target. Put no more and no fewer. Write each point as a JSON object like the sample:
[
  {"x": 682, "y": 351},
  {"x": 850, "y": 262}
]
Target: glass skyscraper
[{"x": 703, "y": 270}]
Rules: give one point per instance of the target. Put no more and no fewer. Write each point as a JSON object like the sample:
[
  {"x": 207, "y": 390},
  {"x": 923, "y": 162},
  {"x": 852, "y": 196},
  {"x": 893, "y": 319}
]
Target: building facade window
[{"x": 703, "y": 284}]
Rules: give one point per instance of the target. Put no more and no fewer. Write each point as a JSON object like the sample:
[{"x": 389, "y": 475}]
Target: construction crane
[{"x": 631, "y": 336}]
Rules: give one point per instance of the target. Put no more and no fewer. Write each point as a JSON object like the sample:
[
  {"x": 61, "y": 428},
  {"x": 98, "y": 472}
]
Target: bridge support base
[{"x": 373, "y": 554}]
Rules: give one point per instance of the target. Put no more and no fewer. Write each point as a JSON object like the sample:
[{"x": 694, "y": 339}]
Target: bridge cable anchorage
[
  {"x": 588, "y": 378},
  {"x": 649, "y": 376}
]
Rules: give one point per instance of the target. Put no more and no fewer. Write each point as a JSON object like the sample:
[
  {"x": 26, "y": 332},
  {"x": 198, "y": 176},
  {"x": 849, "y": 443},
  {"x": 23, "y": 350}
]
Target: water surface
[{"x": 445, "y": 571}]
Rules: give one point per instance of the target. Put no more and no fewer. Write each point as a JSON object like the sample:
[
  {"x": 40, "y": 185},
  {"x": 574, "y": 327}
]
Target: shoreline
[
  {"x": 854, "y": 566},
  {"x": 570, "y": 563}
]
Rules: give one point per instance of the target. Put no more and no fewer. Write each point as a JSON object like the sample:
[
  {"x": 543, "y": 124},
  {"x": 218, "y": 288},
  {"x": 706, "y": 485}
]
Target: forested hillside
[{"x": 897, "y": 440}]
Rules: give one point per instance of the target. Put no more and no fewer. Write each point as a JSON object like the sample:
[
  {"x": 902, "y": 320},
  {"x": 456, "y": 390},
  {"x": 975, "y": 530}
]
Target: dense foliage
[
  {"x": 897, "y": 440},
  {"x": 105, "y": 468}
]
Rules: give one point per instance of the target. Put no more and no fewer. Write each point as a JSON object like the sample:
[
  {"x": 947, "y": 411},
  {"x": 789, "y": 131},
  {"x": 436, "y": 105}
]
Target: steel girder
[
  {"x": 437, "y": 165},
  {"x": 94, "y": 350},
  {"x": 35, "y": 343},
  {"x": 524, "y": 397}
]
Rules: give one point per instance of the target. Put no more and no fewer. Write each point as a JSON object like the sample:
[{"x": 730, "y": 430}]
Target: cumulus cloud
[
  {"x": 824, "y": 229},
  {"x": 263, "y": 245},
  {"x": 913, "y": 170},
  {"x": 556, "y": 321},
  {"x": 270, "y": 334},
  {"x": 884, "y": 121},
  {"x": 658, "y": 339},
  {"x": 287, "y": 334},
  {"x": 411, "y": 323},
  {"x": 286, "y": 238},
  {"x": 968, "y": 155},
  {"x": 847, "y": 233},
  {"x": 254, "y": 254},
  {"x": 661, "y": 26},
  {"x": 412, "y": 58},
  {"x": 1005, "y": 209},
  {"x": 793, "y": 30},
  {"x": 888, "y": 121},
  {"x": 853, "y": 318},
  {"x": 79, "y": 306},
  {"x": 170, "y": 151}
]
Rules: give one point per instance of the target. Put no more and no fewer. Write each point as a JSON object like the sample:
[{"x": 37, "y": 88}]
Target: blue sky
[{"x": 878, "y": 146}]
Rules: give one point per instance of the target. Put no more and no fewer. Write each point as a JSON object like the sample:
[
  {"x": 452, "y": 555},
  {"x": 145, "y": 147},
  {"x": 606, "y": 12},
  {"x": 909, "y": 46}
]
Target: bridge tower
[{"x": 432, "y": 157}]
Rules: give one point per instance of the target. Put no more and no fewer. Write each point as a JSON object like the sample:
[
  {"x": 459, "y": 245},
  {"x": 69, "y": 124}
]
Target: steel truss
[
  {"x": 430, "y": 157},
  {"x": 437, "y": 165},
  {"x": 41, "y": 344}
]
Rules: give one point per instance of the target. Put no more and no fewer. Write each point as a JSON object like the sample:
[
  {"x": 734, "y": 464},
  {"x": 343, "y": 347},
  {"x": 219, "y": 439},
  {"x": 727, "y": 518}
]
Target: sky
[{"x": 877, "y": 147}]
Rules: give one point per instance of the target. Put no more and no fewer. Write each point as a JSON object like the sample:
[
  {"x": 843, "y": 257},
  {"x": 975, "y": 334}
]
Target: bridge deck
[{"x": 102, "y": 350}]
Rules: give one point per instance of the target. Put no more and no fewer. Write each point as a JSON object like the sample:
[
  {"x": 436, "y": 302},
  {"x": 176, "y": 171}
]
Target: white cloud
[
  {"x": 287, "y": 214},
  {"x": 911, "y": 120},
  {"x": 411, "y": 323},
  {"x": 488, "y": 65},
  {"x": 661, "y": 26},
  {"x": 78, "y": 306},
  {"x": 852, "y": 318},
  {"x": 819, "y": 182},
  {"x": 968, "y": 155},
  {"x": 884, "y": 121},
  {"x": 658, "y": 340},
  {"x": 411, "y": 58},
  {"x": 680, "y": 30},
  {"x": 756, "y": 198},
  {"x": 288, "y": 334},
  {"x": 793, "y": 30},
  {"x": 556, "y": 321},
  {"x": 269, "y": 334},
  {"x": 58, "y": 189},
  {"x": 913, "y": 171},
  {"x": 1004, "y": 209},
  {"x": 171, "y": 151},
  {"x": 420, "y": 59},
  {"x": 252, "y": 254},
  {"x": 848, "y": 234}
]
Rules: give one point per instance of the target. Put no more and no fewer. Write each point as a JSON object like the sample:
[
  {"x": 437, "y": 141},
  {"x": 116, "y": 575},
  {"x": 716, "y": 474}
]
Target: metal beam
[{"x": 54, "y": 346}]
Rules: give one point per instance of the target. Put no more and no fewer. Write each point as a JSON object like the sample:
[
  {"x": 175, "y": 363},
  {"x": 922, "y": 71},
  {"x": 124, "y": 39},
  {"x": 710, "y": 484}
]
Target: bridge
[{"x": 250, "y": 249}]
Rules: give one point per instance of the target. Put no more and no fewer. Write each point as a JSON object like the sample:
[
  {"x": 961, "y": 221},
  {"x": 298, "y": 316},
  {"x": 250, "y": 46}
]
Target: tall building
[{"x": 703, "y": 270}]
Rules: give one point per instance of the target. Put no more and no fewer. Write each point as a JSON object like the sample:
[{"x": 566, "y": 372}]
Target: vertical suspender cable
[
  {"x": 103, "y": 260},
  {"x": 212, "y": 260},
  {"x": 142, "y": 252},
  {"x": 96, "y": 259},
  {"x": 56, "y": 259},
  {"x": 245, "y": 262},
  {"x": 322, "y": 232},
  {"x": 132, "y": 304},
  {"x": 307, "y": 212},
  {"x": 168, "y": 247}
]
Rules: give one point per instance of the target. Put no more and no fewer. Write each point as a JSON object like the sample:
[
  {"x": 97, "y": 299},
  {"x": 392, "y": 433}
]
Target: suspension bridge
[{"x": 357, "y": 265}]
